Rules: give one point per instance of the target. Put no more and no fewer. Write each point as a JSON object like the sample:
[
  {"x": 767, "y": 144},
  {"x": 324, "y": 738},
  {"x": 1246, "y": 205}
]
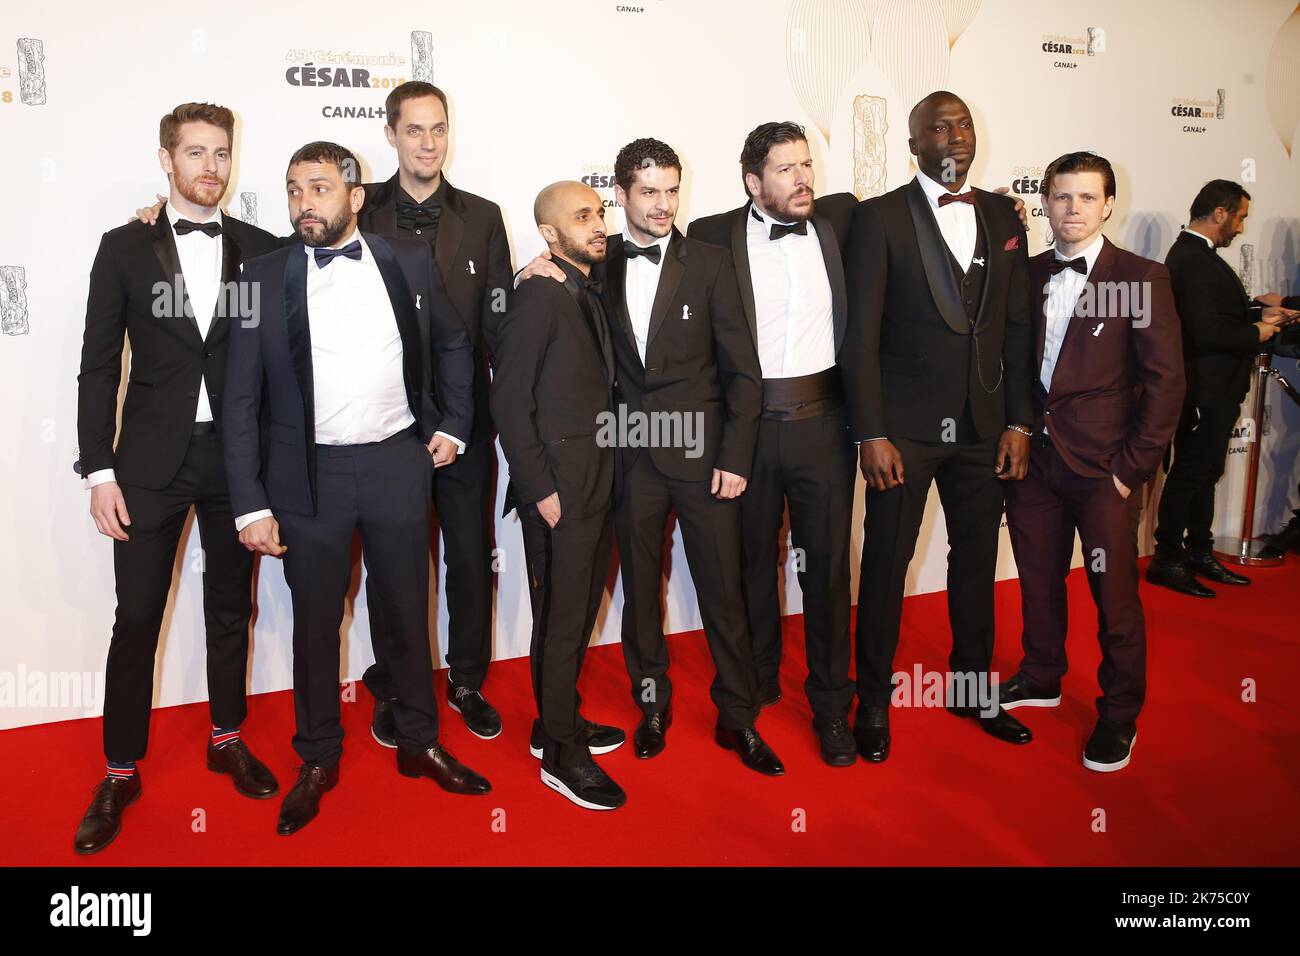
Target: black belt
[
  {"x": 804, "y": 396},
  {"x": 204, "y": 428}
]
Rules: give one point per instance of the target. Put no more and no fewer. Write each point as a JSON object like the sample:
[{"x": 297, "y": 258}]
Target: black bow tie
[
  {"x": 651, "y": 252},
  {"x": 1079, "y": 265},
  {"x": 211, "y": 229},
  {"x": 414, "y": 215},
  {"x": 779, "y": 230},
  {"x": 594, "y": 286},
  {"x": 325, "y": 255}
]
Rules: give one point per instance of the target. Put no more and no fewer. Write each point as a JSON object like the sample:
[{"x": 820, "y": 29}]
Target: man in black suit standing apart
[
  {"x": 787, "y": 257},
  {"x": 167, "y": 286},
  {"x": 937, "y": 362},
  {"x": 339, "y": 358},
  {"x": 1222, "y": 332},
  {"x": 468, "y": 240},
  {"x": 551, "y": 392}
]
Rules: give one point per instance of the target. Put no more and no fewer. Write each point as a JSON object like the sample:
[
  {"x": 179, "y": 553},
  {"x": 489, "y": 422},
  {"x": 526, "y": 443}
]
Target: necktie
[
  {"x": 1079, "y": 265},
  {"x": 650, "y": 252},
  {"x": 967, "y": 197},
  {"x": 779, "y": 230},
  {"x": 325, "y": 255},
  {"x": 211, "y": 229}
]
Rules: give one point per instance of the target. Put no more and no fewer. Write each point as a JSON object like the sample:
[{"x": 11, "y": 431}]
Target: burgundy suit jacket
[{"x": 1118, "y": 384}]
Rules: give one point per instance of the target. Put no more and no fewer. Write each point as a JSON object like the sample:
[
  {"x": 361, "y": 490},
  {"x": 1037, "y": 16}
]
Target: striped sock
[
  {"x": 121, "y": 770},
  {"x": 224, "y": 736}
]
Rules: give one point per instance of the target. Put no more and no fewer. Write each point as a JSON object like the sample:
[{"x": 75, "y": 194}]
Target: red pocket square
[{"x": 1012, "y": 243}]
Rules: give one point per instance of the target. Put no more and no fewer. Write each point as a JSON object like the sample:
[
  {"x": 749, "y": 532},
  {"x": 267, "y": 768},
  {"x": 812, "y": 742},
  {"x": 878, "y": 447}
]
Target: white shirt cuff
[
  {"x": 863, "y": 441},
  {"x": 243, "y": 521},
  {"x": 460, "y": 445},
  {"x": 103, "y": 476}
]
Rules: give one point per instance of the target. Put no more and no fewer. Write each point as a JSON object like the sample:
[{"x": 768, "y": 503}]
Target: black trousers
[
  {"x": 463, "y": 495},
  {"x": 711, "y": 533},
  {"x": 972, "y": 507},
  {"x": 382, "y": 489},
  {"x": 567, "y": 567},
  {"x": 810, "y": 463},
  {"x": 143, "y": 569},
  {"x": 1187, "y": 500},
  {"x": 1043, "y": 512}
]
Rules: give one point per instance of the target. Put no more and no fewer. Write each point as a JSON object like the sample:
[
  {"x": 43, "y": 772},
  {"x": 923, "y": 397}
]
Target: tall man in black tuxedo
[
  {"x": 469, "y": 244},
  {"x": 167, "y": 286},
  {"x": 937, "y": 362},
  {"x": 787, "y": 257},
  {"x": 340, "y": 360},
  {"x": 551, "y": 392},
  {"x": 1222, "y": 332}
]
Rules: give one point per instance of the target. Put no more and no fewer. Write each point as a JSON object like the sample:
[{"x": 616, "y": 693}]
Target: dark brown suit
[{"x": 1116, "y": 392}]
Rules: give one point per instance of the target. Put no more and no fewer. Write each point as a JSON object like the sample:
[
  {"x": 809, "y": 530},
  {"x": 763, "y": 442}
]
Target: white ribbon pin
[
  {"x": 417, "y": 300},
  {"x": 1097, "y": 331},
  {"x": 686, "y": 312},
  {"x": 471, "y": 267}
]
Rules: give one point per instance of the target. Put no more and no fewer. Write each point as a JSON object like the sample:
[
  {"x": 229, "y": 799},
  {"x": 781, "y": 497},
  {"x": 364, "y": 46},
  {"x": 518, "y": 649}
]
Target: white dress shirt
[
  {"x": 200, "y": 258},
  {"x": 792, "y": 300},
  {"x": 956, "y": 220},
  {"x": 640, "y": 287},
  {"x": 1063, "y": 290}
]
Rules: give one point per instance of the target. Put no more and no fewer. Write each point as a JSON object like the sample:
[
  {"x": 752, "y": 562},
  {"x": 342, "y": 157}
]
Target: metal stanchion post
[{"x": 1246, "y": 549}]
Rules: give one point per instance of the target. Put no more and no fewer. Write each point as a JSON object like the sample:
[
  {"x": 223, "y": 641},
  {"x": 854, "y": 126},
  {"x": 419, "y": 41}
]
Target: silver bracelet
[{"x": 1024, "y": 431}]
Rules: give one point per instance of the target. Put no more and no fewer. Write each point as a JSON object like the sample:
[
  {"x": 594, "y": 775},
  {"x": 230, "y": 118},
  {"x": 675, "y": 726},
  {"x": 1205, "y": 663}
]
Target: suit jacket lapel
[
  {"x": 298, "y": 330},
  {"x": 670, "y": 276},
  {"x": 408, "y": 323},
  {"x": 982, "y": 225},
  {"x": 451, "y": 229},
  {"x": 231, "y": 257},
  {"x": 834, "y": 273},
  {"x": 1038, "y": 278},
  {"x": 616, "y": 289},
  {"x": 1099, "y": 272},
  {"x": 383, "y": 211},
  {"x": 164, "y": 247},
  {"x": 740, "y": 255},
  {"x": 934, "y": 256}
]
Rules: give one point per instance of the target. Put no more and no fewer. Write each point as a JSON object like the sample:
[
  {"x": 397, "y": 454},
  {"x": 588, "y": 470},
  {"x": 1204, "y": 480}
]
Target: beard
[
  {"x": 199, "y": 193},
  {"x": 781, "y": 209},
  {"x": 579, "y": 253},
  {"x": 331, "y": 230}
]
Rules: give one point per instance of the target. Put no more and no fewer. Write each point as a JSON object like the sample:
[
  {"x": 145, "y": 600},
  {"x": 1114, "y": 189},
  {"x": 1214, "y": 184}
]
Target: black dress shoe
[
  {"x": 1001, "y": 725},
  {"x": 251, "y": 776},
  {"x": 302, "y": 803},
  {"x": 601, "y": 738},
  {"x": 481, "y": 717},
  {"x": 650, "y": 733},
  {"x": 442, "y": 768},
  {"x": 103, "y": 819},
  {"x": 871, "y": 733},
  {"x": 754, "y": 754},
  {"x": 1206, "y": 565},
  {"x": 1177, "y": 576},
  {"x": 1279, "y": 543},
  {"x": 1019, "y": 692},
  {"x": 837, "y": 744},
  {"x": 1110, "y": 746},
  {"x": 586, "y": 785},
  {"x": 382, "y": 726},
  {"x": 769, "y": 693}
]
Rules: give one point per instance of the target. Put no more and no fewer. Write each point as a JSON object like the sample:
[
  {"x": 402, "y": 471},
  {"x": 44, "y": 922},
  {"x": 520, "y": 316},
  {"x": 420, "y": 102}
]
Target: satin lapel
[
  {"x": 740, "y": 255},
  {"x": 231, "y": 257},
  {"x": 380, "y": 212},
  {"x": 835, "y": 274},
  {"x": 451, "y": 229},
  {"x": 943, "y": 287},
  {"x": 164, "y": 247},
  {"x": 1038, "y": 278},
  {"x": 982, "y": 224},
  {"x": 616, "y": 289},
  {"x": 670, "y": 276},
  {"x": 298, "y": 329},
  {"x": 403, "y": 302},
  {"x": 1100, "y": 272}
]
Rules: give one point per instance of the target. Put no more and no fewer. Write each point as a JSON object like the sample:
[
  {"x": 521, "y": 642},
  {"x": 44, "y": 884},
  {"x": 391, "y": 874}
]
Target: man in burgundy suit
[{"x": 1108, "y": 389}]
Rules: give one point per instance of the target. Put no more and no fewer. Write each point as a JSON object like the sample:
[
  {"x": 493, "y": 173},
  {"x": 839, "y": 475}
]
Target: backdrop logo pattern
[
  {"x": 422, "y": 56},
  {"x": 31, "y": 71},
  {"x": 870, "y": 124},
  {"x": 13, "y": 300},
  {"x": 248, "y": 208},
  {"x": 1198, "y": 110}
]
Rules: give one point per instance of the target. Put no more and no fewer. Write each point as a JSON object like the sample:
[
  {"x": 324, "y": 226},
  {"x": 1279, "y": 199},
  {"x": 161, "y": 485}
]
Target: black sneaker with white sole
[
  {"x": 481, "y": 717},
  {"x": 1019, "y": 692},
  {"x": 1110, "y": 747},
  {"x": 601, "y": 738},
  {"x": 586, "y": 785},
  {"x": 383, "y": 727}
]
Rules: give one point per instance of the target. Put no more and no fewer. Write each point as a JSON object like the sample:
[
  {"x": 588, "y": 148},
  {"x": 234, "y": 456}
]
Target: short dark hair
[
  {"x": 1216, "y": 193},
  {"x": 169, "y": 128},
  {"x": 1080, "y": 162},
  {"x": 334, "y": 154},
  {"x": 640, "y": 154},
  {"x": 411, "y": 90},
  {"x": 753, "y": 155}
]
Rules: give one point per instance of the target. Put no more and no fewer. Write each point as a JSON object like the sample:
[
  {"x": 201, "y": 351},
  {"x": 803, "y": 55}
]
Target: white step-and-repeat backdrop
[{"x": 1173, "y": 93}]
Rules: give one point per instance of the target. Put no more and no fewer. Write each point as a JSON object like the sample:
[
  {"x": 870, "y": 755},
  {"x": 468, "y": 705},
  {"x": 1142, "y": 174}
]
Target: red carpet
[{"x": 1214, "y": 780}]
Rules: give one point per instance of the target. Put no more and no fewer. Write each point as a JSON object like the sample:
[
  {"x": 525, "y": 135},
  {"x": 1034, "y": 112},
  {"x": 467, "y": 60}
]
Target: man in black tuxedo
[
  {"x": 168, "y": 286},
  {"x": 551, "y": 392},
  {"x": 469, "y": 244},
  {"x": 937, "y": 362},
  {"x": 1222, "y": 332},
  {"x": 787, "y": 257},
  {"x": 340, "y": 361},
  {"x": 689, "y": 397}
]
